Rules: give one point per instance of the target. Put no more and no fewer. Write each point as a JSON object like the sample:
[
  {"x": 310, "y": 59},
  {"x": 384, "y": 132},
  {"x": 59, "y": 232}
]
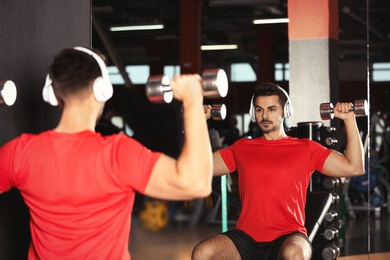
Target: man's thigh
[
  {"x": 216, "y": 247},
  {"x": 245, "y": 245},
  {"x": 249, "y": 249}
]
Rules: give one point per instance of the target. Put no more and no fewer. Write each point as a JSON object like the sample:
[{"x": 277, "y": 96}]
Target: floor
[
  {"x": 177, "y": 239},
  {"x": 372, "y": 256}
]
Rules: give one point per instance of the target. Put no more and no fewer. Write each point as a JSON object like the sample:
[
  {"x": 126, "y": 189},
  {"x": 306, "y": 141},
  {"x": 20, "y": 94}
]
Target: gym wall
[{"x": 31, "y": 33}]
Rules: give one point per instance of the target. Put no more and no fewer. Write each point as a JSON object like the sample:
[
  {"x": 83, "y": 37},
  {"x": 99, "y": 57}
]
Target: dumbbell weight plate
[
  {"x": 360, "y": 108},
  {"x": 218, "y": 111},
  {"x": 330, "y": 141},
  {"x": 326, "y": 111},
  {"x": 215, "y": 83},
  {"x": 330, "y": 252},
  {"x": 158, "y": 89}
]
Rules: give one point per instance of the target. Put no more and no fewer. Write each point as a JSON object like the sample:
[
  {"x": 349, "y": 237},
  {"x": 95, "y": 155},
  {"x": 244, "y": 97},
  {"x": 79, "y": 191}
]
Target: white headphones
[
  {"x": 288, "y": 109},
  {"x": 102, "y": 88}
]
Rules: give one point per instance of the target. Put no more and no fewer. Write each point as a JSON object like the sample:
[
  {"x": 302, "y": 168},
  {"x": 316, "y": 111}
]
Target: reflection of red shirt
[
  {"x": 80, "y": 190},
  {"x": 273, "y": 177}
]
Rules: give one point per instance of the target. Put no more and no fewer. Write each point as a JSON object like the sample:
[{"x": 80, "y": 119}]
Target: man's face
[{"x": 268, "y": 113}]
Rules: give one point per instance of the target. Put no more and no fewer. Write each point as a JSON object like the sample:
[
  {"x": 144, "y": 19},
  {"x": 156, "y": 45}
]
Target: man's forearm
[{"x": 195, "y": 160}]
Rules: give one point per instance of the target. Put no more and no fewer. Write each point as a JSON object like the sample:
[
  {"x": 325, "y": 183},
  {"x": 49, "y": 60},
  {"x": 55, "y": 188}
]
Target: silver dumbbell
[
  {"x": 330, "y": 216},
  {"x": 218, "y": 112},
  {"x": 330, "y": 183},
  {"x": 330, "y": 252},
  {"x": 214, "y": 82},
  {"x": 330, "y": 233},
  {"x": 330, "y": 141},
  {"x": 360, "y": 108}
]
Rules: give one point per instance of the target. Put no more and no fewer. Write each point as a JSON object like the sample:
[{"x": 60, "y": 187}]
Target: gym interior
[{"x": 328, "y": 52}]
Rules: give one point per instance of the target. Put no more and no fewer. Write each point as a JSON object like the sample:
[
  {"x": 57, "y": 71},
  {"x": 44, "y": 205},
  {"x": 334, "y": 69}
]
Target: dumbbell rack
[{"x": 328, "y": 239}]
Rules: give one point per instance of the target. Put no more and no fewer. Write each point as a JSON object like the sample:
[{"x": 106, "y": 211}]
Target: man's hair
[
  {"x": 71, "y": 72},
  {"x": 270, "y": 89}
]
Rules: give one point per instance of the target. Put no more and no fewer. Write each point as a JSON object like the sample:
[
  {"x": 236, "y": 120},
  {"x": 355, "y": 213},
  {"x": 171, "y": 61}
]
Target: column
[{"x": 313, "y": 56}]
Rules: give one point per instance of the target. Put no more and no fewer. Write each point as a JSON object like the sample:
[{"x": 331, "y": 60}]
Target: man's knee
[
  {"x": 215, "y": 247},
  {"x": 201, "y": 251},
  {"x": 295, "y": 253},
  {"x": 295, "y": 247}
]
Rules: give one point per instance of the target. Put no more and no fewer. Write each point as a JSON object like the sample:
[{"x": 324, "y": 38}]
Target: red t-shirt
[
  {"x": 273, "y": 177},
  {"x": 80, "y": 190}
]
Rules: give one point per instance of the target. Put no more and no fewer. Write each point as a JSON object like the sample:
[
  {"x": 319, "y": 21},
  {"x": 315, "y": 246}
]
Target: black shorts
[{"x": 250, "y": 249}]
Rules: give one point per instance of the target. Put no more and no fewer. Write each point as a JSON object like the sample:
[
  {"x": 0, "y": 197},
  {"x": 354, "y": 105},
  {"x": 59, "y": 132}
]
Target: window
[
  {"x": 241, "y": 72},
  {"x": 171, "y": 70},
  {"x": 115, "y": 77},
  {"x": 282, "y": 71},
  {"x": 381, "y": 71},
  {"x": 138, "y": 74}
]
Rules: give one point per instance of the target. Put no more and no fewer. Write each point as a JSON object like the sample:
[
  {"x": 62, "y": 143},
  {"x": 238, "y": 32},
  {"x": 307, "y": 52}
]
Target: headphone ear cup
[
  {"x": 287, "y": 110},
  {"x": 252, "y": 110},
  {"x": 101, "y": 90},
  {"x": 48, "y": 92}
]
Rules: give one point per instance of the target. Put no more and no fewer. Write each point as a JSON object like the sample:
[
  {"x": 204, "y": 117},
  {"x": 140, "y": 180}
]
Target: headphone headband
[
  {"x": 287, "y": 109},
  {"x": 102, "y": 87}
]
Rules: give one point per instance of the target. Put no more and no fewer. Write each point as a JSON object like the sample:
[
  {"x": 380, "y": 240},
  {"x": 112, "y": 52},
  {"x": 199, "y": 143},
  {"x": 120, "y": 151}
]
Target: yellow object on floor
[{"x": 154, "y": 216}]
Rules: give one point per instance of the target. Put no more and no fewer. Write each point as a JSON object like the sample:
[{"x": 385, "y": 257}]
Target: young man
[
  {"x": 80, "y": 186},
  {"x": 273, "y": 175}
]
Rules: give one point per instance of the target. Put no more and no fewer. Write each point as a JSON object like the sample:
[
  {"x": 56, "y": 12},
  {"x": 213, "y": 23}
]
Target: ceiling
[{"x": 228, "y": 22}]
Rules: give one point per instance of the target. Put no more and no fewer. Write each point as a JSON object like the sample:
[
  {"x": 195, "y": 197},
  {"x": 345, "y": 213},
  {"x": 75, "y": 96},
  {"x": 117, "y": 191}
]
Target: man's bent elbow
[
  {"x": 357, "y": 171},
  {"x": 201, "y": 189},
  {"x": 206, "y": 191},
  {"x": 360, "y": 172},
  {"x": 360, "y": 169}
]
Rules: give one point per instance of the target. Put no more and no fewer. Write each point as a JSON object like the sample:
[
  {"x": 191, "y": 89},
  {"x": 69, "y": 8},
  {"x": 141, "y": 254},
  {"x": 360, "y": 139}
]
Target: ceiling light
[
  {"x": 240, "y": 2},
  {"x": 137, "y": 27},
  {"x": 219, "y": 47},
  {"x": 271, "y": 21}
]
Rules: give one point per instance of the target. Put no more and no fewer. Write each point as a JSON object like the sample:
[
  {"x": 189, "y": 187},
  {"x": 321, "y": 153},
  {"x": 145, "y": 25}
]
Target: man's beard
[{"x": 267, "y": 130}]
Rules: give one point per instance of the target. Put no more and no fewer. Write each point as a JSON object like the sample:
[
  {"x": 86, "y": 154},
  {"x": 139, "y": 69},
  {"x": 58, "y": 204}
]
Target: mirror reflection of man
[{"x": 273, "y": 173}]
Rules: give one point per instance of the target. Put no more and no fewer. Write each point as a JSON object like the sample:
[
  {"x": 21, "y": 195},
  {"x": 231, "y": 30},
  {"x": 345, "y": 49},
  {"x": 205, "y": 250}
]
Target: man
[
  {"x": 273, "y": 175},
  {"x": 80, "y": 186}
]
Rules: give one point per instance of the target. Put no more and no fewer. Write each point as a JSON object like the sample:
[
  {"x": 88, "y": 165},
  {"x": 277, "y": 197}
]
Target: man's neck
[
  {"x": 77, "y": 118},
  {"x": 275, "y": 135}
]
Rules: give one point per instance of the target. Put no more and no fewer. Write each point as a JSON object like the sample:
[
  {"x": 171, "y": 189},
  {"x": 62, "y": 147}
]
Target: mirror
[{"x": 362, "y": 66}]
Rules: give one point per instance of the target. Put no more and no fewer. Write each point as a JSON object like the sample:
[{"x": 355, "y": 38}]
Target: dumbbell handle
[
  {"x": 214, "y": 83},
  {"x": 360, "y": 108}
]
